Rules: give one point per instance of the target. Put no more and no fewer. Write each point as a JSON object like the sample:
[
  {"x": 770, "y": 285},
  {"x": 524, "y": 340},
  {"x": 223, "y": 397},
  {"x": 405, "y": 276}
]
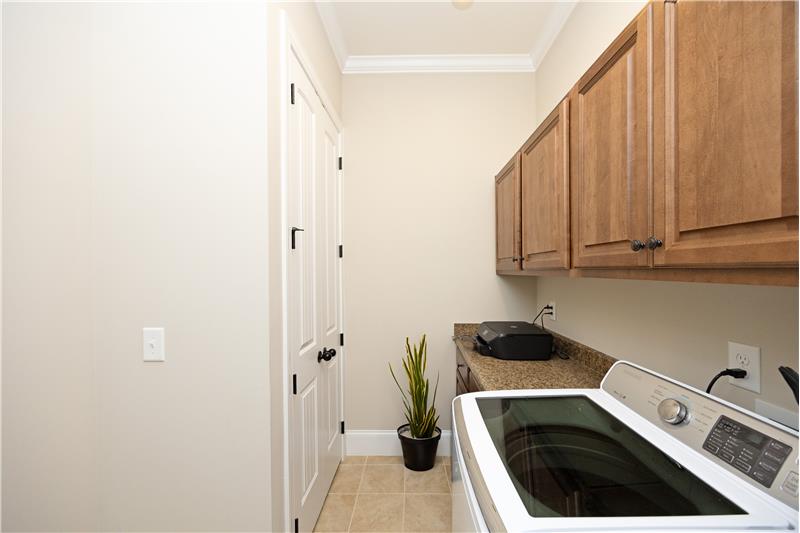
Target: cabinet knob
[
  {"x": 653, "y": 243},
  {"x": 637, "y": 245}
]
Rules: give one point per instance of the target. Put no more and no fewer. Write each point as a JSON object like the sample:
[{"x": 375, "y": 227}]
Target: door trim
[{"x": 290, "y": 44}]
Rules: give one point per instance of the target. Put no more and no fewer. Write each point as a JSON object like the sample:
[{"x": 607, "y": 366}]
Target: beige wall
[
  {"x": 591, "y": 27},
  {"x": 310, "y": 34},
  {"x": 679, "y": 329},
  {"x": 420, "y": 153},
  {"x": 135, "y": 194}
]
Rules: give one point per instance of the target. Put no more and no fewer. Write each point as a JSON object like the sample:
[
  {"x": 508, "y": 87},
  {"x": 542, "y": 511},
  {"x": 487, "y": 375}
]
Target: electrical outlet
[
  {"x": 552, "y": 311},
  {"x": 747, "y": 358}
]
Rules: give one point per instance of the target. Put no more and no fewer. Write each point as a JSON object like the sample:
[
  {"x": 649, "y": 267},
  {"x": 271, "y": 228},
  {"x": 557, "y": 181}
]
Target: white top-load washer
[{"x": 641, "y": 453}]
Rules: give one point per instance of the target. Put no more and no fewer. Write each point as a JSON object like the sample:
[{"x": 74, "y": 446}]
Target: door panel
[
  {"x": 309, "y": 422},
  {"x": 314, "y": 296},
  {"x": 726, "y": 194},
  {"x": 610, "y": 153},
  {"x": 507, "y": 217},
  {"x": 544, "y": 163}
]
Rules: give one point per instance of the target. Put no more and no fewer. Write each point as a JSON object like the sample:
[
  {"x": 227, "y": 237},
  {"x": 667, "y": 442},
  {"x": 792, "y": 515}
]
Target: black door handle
[
  {"x": 326, "y": 355},
  {"x": 295, "y": 230}
]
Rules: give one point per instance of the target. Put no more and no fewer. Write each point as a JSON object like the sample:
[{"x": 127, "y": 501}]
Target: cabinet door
[
  {"x": 507, "y": 209},
  {"x": 726, "y": 186},
  {"x": 610, "y": 152},
  {"x": 544, "y": 165}
]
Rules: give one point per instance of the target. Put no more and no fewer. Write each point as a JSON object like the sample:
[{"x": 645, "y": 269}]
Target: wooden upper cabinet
[
  {"x": 609, "y": 153},
  {"x": 507, "y": 217},
  {"x": 544, "y": 161},
  {"x": 725, "y": 95}
]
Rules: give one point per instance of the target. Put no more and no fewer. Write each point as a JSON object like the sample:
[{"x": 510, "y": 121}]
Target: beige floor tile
[
  {"x": 442, "y": 459},
  {"x": 378, "y": 513},
  {"x": 433, "y": 480},
  {"x": 354, "y": 459},
  {"x": 427, "y": 512},
  {"x": 347, "y": 479},
  {"x": 336, "y": 513},
  {"x": 382, "y": 478},
  {"x": 384, "y": 460}
]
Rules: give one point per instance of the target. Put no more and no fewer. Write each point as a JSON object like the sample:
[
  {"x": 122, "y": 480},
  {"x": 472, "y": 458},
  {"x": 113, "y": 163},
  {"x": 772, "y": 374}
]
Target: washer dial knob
[{"x": 672, "y": 411}]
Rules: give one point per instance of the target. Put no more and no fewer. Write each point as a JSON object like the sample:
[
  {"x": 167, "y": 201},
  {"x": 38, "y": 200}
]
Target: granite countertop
[{"x": 584, "y": 369}]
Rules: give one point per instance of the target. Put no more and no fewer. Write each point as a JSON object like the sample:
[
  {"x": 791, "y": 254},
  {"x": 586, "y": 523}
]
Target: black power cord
[
  {"x": 549, "y": 309},
  {"x": 737, "y": 373}
]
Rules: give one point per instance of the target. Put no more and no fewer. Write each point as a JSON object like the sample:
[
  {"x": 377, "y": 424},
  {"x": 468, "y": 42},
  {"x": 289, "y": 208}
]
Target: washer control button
[
  {"x": 790, "y": 484},
  {"x": 672, "y": 411}
]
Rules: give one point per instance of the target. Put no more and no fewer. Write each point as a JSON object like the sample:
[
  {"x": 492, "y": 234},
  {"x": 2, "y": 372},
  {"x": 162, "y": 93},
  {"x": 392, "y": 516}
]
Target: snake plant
[{"x": 421, "y": 418}]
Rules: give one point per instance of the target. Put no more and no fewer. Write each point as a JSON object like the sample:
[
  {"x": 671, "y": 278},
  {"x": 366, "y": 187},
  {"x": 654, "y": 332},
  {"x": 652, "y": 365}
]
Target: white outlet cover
[
  {"x": 153, "y": 345},
  {"x": 748, "y": 358},
  {"x": 552, "y": 314}
]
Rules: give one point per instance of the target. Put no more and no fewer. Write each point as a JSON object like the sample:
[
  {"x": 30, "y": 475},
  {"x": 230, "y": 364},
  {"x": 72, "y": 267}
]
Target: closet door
[
  {"x": 726, "y": 184},
  {"x": 610, "y": 154},
  {"x": 507, "y": 217},
  {"x": 545, "y": 193}
]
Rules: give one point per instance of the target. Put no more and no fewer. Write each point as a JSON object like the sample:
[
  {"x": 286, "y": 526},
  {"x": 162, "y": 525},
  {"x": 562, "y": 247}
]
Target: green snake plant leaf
[{"x": 420, "y": 414}]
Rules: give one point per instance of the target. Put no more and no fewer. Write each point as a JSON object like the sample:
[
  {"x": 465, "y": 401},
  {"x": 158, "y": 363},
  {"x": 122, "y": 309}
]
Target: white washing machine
[{"x": 641, "y": 453}]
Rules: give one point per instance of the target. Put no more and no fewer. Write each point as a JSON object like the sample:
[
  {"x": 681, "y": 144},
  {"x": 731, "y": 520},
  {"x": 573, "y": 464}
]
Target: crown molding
[
  {"x": 327, "y": 15},
  {"x": 551, "y": 28},
  {"x": 384, "y": 64}
]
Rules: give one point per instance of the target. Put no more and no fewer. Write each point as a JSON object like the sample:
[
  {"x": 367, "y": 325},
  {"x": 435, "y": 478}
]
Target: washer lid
[
  {"x": 577, "y": 460},
  {"x": 568, "y": 457}
]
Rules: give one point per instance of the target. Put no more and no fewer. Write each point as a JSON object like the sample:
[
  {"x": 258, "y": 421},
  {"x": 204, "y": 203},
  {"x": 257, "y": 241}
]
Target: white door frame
[{"x": 289, "y": 44}]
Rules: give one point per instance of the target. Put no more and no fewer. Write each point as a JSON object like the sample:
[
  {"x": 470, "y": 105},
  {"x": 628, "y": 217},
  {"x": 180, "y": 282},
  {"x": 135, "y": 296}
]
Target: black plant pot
[{"x": 419, "y": 454}]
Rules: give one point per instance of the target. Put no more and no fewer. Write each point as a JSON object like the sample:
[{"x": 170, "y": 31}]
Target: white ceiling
[{"x": 438, "y": 36}]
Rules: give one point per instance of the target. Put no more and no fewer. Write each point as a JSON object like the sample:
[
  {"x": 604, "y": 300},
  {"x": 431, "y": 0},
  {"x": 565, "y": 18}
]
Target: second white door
[{"x": 314, "y": 301}]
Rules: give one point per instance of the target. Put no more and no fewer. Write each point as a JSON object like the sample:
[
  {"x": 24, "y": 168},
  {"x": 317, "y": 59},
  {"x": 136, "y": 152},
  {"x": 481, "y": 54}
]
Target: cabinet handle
[
  {"x": 637, "y": 245},
  {"x": 653, "y": 243}
]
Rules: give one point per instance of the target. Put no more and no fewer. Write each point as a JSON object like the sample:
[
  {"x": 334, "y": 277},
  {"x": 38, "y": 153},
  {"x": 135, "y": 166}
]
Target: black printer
[{"x": 520, "y": 341}]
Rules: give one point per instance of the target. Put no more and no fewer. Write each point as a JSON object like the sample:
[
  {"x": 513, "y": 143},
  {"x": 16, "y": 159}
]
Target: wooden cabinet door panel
[
  {"x": 544, "y": 163},
  {"x": 610, "y": 153},
  {"x": 507, "y": 217},
  {"x": 726, "y": 192}
]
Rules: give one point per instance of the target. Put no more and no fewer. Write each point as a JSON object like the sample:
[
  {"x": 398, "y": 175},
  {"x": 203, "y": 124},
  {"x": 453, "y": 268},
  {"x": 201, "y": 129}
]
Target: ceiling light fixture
[{"x": 462, "y": 5}]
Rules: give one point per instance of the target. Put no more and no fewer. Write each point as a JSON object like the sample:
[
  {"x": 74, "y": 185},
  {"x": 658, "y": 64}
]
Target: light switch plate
[
  {"x": 748, "y": 358},
  {"x": 153, "y": 344}
]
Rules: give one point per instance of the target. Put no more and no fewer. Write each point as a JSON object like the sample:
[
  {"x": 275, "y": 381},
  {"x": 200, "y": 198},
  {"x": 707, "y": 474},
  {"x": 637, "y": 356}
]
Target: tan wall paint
[
  {"x": 420, "y": 153},
  {"x": 310, "y": 34},
  {"x": 589, "y": 29},
  {"x": 135, "y": 195},
  {"x": 679, "y": 329}
]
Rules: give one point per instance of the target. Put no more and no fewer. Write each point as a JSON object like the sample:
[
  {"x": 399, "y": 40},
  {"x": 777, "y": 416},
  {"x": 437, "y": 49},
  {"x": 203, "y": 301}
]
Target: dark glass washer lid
[{"x": 566, "y": 456}]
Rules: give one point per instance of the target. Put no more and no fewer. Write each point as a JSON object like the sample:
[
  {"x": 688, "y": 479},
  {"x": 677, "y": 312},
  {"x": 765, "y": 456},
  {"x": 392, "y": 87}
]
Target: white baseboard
[{"x": 384, "y": 442}]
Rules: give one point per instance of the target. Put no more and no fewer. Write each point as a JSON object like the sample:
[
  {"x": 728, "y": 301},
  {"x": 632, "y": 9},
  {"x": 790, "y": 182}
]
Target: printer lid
[{"x": 503, "y": 329}]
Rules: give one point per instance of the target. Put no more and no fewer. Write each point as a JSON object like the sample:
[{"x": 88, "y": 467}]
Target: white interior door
[{"x": 314, "y": 294}]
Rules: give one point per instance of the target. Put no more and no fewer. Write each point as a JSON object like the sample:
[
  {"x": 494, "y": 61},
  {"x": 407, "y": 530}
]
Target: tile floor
[{"x": 378, "y": 494}]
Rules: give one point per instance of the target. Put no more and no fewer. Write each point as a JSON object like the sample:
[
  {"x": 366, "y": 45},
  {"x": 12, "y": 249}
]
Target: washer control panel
[
  {"x": 749, "y": 451},
  {"x": 762, "y": 453}
]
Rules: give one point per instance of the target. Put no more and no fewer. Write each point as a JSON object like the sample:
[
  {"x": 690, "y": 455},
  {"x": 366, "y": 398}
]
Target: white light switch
[{"x": 153, "y": 344}]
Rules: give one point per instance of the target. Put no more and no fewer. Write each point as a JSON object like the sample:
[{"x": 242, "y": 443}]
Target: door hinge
[
  {"x": 296, "y": 525},
  {"x": 340, "y": 163},
  {"x": 341, "y": 251},
  {"x": 342, "y": 427},
  {"x": 341, "y": 339},
  {"x": 294, "y": 383},
  {"x": 291, "y": 90}
]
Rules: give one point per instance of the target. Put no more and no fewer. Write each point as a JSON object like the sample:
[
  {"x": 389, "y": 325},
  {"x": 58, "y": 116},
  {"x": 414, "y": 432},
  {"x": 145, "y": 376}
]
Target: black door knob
[
  {"x": 653, "y": 243},
  {"x": 326, "y": 355},
  {"x": 637, "y": 245}
]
